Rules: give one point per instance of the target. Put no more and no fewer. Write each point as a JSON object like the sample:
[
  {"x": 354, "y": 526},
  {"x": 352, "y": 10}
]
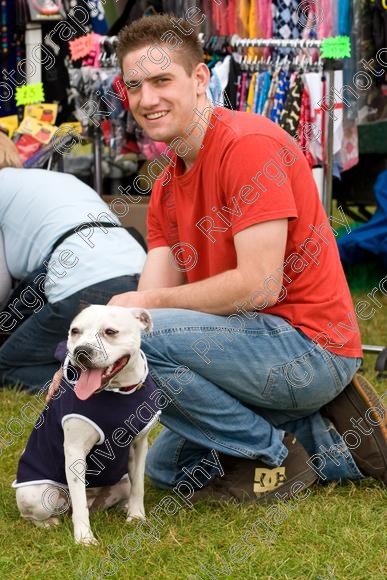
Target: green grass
[{"x": 337, "y": 532}]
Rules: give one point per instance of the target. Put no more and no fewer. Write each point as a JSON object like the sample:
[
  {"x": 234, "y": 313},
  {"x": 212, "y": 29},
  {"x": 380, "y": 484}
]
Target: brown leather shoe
[
  {"x": 250, "y": 480},
  {"x": 359, "y": 416}
]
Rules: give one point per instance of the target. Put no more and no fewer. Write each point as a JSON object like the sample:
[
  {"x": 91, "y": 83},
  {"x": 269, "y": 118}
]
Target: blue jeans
[
  {"x": 27, "y": 356},
  {"x": 235, "y": 385}
]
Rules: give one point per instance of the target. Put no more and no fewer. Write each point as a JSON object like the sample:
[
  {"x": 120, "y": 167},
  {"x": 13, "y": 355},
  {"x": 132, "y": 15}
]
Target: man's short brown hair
[
  {"x": 160, "y": 30},
  {"x": 9, "y": 155}
]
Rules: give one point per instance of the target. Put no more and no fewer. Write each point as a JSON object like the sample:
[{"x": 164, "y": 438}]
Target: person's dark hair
[{"x": 159, "y": 30}]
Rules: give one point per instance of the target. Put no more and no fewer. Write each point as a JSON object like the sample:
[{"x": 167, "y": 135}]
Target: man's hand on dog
[
  {"x": 53, "y": 388},
  {"x": 133, "y": 300}
]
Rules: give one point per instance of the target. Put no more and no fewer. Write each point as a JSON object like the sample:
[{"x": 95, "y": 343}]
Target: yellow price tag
[{"x": 29, "y": 94}]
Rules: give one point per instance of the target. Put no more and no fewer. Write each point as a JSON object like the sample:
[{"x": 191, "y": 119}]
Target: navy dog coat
[{"x": 118, "y": 418}]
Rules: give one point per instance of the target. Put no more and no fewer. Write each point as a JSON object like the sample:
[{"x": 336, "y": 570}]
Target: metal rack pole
[
  {"x": 236, "y": 41},
  {"x": 328, "y": 169},
  {"x": 97, "y": 154}
]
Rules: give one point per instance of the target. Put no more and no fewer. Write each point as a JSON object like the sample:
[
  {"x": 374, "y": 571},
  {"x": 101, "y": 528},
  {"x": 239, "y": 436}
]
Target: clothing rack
[
  {"x": 108, "y": 57},
  {"x": 329, "y": 67}
]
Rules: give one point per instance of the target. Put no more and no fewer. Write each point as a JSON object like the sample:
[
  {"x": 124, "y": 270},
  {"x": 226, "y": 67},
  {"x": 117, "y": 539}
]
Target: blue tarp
[{"x": 369, "y": 240}]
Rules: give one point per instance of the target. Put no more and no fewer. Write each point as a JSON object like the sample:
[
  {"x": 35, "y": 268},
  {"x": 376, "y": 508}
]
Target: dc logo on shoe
[{"x": 268, "y": 479}]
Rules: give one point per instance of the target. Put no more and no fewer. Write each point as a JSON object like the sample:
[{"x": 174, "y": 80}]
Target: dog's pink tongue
[{"x": 89, "y": 382}]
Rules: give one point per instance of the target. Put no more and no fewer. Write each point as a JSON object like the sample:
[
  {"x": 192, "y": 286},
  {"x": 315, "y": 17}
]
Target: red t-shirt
[{"x": 250, "y": 171}]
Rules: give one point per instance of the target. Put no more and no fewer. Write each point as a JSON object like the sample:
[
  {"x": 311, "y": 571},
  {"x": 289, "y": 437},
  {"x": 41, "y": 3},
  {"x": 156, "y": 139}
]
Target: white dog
[{"x": 105, "y": 410}]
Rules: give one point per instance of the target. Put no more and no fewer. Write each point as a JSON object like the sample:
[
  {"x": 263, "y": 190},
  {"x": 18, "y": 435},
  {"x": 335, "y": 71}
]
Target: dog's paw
[
  {"x": 49, "y": 523},
  {"x": 86, "y": 539},
  {"x": 135, "y": 518}
]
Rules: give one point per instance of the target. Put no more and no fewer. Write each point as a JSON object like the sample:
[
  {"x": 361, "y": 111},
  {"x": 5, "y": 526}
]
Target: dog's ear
[
  {"x": 144, "y": 318},
  {"x": 82, "y": 305}
]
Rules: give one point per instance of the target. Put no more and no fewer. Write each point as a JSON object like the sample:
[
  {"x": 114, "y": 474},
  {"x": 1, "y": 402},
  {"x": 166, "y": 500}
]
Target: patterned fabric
[
  {"x": 243, "y": 92},
  {"x": 258, "y": 91},
  {"x": 264, "y": 93},
  {"x": 305, "y": 126},
  {"x": 86, "y": 27},
  {"x": 287, "y": 21},
  {"x": 251, "y": 94},
  {"x": 290, "y": 116},
  {"x": 258, "y": 80},
  {"x": 220, "y": 75},
  {"x": 280, "y": 97},
  {"x": 98, "y": 18},
  {"x": 270, "y": 98}
]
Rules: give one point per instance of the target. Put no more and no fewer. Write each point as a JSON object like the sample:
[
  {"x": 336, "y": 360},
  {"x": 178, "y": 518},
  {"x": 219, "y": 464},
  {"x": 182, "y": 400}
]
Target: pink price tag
[{"x": 80, "y": 47}]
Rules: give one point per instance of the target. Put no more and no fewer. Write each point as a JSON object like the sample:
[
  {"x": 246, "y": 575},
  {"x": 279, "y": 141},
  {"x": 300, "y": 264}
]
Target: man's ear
[{"x": 144, "y": 318}]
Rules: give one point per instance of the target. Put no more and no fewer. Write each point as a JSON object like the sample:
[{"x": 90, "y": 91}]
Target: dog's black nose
[{"x": 83, "y": 355}]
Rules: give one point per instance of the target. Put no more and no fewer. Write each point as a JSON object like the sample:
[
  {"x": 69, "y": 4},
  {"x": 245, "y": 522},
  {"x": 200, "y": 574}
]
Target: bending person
[{"x": 61, "y": 269}]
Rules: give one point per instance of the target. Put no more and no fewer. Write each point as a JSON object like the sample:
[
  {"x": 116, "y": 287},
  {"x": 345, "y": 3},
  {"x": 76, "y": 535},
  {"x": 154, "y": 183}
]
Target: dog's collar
[
  {"x": 129, "y": 390},
  {"x": 66, "y": 364}
]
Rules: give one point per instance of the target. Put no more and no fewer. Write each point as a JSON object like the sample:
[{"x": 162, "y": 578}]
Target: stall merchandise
[{"x": 77, "y": 69}]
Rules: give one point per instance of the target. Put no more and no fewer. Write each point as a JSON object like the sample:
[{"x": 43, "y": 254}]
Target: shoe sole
[
  {"x": 370, "y": 397},
  {"x": 361, "y": 395}
]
